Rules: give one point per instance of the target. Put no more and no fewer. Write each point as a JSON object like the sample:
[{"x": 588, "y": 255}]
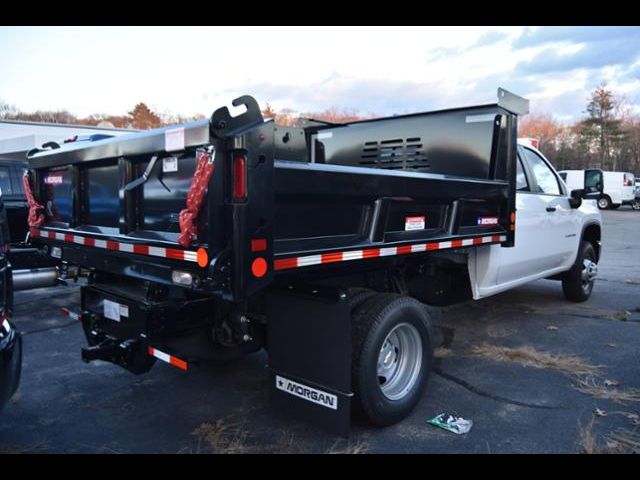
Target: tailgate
[
  {"x": 91, "y": 197},
  {"x": 114, "y": 205}
]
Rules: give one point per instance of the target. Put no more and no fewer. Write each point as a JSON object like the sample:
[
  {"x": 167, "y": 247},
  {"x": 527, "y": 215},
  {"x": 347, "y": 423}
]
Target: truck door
[
  {"x": 529, "y": 256},
  {"x": 561, "y": 223}
]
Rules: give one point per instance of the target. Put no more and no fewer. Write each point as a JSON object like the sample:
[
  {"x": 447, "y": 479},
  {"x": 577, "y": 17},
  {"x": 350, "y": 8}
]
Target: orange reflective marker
[
  {"x": 259, "y": 267},
  {"x": 202, "y": 257}
]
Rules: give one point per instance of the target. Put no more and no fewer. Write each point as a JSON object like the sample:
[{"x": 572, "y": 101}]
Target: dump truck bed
[{"x": 280, "y": 200}]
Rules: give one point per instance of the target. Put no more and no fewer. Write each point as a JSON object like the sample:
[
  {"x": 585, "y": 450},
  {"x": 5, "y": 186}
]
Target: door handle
[{"x": 551, "y": 209}]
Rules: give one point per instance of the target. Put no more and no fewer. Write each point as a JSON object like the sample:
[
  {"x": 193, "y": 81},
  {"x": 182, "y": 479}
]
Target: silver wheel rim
[
  {"x": 588, "y": 274},
  {"x": 603, "y": 203},
  {"x": 399, "y": 361}
]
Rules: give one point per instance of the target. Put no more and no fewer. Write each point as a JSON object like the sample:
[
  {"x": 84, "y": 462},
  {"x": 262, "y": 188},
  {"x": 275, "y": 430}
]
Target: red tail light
[{"x": 239, "y": 176}]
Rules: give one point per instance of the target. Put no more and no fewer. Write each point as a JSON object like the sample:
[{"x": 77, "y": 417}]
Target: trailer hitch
[{"x": 129, "y": 354}]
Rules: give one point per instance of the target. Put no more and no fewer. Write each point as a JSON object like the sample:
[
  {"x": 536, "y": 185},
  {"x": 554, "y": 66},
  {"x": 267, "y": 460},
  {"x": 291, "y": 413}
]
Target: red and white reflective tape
[
  {"x": 72, "y": 315},
  {"x": 172, "y": 253},
  {"x": 321, "y": 259},
  {"x": 170, "y": 359}
]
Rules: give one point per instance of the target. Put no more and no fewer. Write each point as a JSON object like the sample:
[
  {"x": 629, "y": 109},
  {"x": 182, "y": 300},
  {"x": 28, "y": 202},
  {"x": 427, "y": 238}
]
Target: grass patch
[
  {"x": 587, "y": 378},
  {"x": 347, "y": 448},
  {"x": 619, "y": 441},
  {"x": 442, "y": 352},
  {"x": 530, "y": 357},
  {"x": 597, "y": 388},
  {"x": 223, "y": 436}
]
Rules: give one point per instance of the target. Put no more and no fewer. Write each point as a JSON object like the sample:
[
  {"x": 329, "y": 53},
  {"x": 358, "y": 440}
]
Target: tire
[
  {"x": 577, "y": 284},
  {"x": 604, "y": 202},
  {"x": 357, "y": 296},
  {"x": 401, "y": 327},
  {"x": 635, "y": 204}
]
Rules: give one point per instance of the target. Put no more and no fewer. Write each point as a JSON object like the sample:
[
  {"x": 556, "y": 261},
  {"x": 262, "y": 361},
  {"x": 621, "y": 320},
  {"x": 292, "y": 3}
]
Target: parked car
[
  {"x": 636, "y": 201},
  {"x": 617, "y": 188},
  {"x": 15, "y": 203},
  {"x": 10, "y": 339}
]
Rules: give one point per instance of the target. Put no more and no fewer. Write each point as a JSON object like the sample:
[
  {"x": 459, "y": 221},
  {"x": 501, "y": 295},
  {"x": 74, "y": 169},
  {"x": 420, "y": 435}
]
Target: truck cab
[{"x": 551, "y": 225}]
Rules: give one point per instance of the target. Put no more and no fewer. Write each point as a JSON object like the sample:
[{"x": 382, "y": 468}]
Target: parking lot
[{"x": 493, "y": 367}]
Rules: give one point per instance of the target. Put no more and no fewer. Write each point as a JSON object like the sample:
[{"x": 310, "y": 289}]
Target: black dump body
[{"x": 311, "y": 200}]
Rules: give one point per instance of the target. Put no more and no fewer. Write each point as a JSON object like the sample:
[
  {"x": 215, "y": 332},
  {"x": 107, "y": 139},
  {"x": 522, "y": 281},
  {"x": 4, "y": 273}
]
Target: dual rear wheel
[{"x": 392, "y": 355}]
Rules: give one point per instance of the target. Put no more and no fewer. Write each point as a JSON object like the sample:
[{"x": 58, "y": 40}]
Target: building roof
[
  {"x": 18, "y": 137},
  {"x": 65, "y": 125}
]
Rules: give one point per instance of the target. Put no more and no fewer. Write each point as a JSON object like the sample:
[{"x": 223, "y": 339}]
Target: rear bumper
[{"x": 10, "y": 361}]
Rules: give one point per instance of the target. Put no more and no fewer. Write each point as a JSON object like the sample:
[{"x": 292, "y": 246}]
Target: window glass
[
  {"x": 628, "y": 180},
  {"x": 593, "y": 180},
  {"x": 521, "y": 179},
  {"x": 5, "y": 181},
  {"x": 563, "y": 175},
  {"x": 547, "y": 181}
]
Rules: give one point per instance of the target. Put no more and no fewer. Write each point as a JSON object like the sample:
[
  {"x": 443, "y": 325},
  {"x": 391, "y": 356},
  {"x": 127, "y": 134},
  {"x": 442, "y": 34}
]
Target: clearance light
[{"x": 239, "y": 176}]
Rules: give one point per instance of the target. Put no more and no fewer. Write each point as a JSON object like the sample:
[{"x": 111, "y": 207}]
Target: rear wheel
[
  {"x": 635, "y": 204},
  {"x": 604, "y": 202},
  {"x": 358, "y": 295},
  {"x": 392, "y": 355},
  {"x": 577, "y": 283}
]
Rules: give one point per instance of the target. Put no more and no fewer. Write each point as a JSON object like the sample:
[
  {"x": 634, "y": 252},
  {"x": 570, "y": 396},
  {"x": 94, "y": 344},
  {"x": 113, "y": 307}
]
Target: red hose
[
  {"x": 195, "y": 197},
  {"x": 36, "y": 211}
]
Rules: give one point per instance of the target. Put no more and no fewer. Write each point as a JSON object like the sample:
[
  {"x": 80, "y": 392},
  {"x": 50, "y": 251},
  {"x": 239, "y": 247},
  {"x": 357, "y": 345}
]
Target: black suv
[
  {"x": 15, "y": 202},
  {"x": 10, "y": 340}
]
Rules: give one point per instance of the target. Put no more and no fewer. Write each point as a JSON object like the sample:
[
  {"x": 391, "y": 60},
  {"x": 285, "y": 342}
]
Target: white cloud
[{"x": 372, "y": 69}]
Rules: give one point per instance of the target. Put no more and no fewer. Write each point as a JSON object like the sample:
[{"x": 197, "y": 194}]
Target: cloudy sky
[{"x": 190, "y": 70}]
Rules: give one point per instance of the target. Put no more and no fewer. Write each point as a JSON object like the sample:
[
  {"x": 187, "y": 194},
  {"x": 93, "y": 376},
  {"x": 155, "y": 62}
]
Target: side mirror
[{"x": 575, "y": 198}]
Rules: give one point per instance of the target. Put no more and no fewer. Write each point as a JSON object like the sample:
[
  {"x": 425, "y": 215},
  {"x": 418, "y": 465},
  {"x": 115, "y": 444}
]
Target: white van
[{"x": 617, "y": 188}]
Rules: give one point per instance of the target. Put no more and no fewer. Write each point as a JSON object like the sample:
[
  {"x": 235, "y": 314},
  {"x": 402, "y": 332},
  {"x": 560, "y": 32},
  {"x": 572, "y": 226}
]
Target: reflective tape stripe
[
  {"x": 333, "y": 257},
  {"x": 170, "y": 359},
  {"x": 172, "y": 253},
  {"x": 72, "y": 315}
]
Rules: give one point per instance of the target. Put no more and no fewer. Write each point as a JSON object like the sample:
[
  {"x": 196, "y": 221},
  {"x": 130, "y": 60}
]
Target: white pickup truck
[{"x": 553, "y": 237}]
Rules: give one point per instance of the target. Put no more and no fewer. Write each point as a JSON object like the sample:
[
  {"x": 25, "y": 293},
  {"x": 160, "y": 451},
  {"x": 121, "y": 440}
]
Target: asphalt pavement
[{"x": 65, "y": 405}]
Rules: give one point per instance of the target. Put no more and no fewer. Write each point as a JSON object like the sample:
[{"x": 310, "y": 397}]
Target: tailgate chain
[
  {"x": 202, "y": 175},
  {"x": 36, "y": 211}
]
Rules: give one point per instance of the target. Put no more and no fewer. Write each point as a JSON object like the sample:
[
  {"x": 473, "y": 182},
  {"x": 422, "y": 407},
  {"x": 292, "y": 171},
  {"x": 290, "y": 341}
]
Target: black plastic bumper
[{"x": 10, "y": 361}]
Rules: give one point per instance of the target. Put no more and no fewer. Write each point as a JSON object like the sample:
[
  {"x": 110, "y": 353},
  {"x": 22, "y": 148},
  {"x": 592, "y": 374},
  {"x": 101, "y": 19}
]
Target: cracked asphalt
[{"x": 65, "y": 405}]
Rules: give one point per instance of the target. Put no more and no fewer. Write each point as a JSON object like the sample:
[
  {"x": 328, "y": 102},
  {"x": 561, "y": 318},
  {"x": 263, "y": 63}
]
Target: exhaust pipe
[{"x": 34, "y": 278}]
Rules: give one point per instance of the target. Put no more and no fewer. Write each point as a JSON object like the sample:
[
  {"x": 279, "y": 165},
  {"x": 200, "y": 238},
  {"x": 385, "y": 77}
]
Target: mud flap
[{"x": 309, "y": 342}]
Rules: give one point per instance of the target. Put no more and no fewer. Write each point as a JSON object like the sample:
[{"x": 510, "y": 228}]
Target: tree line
[
  {"x": 141, "y": 117},
  {"x": 607, "y": 136}
]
